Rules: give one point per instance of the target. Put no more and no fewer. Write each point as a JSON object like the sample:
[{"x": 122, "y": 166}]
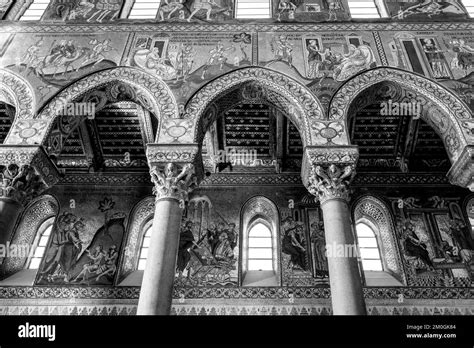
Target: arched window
[
  {"x": 260, "y": 258},
  {"x": 144, "y": 249},
  {"x": 378, "y": 245},
  {"x": 248, "y": 9},
  {"x": 260, "y": 251},
  {"x": 35, "y": 11},
  {"x": 144, "y": 9},
  {"x": 44, "y": 232},
  {"x": 369, "y": 249}
]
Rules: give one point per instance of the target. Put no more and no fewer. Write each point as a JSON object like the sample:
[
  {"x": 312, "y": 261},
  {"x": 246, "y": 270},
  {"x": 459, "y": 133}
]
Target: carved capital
[
  {"x": 174, "y": 169},
  {"x": 25, "y": 172},
  {"x": 462, "y": 171},
  {"x": 328, "y": 171},
  {"x": 161, "y": 154},
  {"x": 325, "y": 156},
  {"x": 173, "y": 180},
  {"x": 331, "y": 182}
]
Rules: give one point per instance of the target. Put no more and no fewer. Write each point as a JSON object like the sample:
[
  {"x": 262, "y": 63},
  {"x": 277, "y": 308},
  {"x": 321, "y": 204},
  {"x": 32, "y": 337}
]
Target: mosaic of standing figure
[
  {"x": 294, "y": 244},
  {"x": 303, "y": 261},
  {"x": 318, "y": 241}
]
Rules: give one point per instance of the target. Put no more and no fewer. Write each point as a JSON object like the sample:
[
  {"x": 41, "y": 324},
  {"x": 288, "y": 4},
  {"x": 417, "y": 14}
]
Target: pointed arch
[
  {"x": 295, "y": 99},
  {"x": 147, "y": 90},
  {"x": 449, "y": 116},
  {"x": 259, "y": 210}
]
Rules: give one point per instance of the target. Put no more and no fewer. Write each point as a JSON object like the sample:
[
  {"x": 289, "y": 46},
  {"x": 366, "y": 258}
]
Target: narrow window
[
  {"x": 144, "y": 249},
  {"x": 40, "y": 248},
  {"x": 368, "y": 246},
  {"x": 260, "y": 252}
]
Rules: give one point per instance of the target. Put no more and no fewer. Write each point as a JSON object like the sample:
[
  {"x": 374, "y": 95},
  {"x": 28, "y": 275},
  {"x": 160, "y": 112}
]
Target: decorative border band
[
  {"x": 274, "y": 293},
  {"x": 10, "y": 27}
]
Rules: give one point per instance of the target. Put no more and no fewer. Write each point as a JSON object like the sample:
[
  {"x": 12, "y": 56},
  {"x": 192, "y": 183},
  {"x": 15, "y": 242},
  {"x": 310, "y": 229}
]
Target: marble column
[
  {"x": 328, "y": 176},
  {"x": 172, "y": 185},
  {"x": 25, "y": 172},
  {"x": 330, "y": 185}
]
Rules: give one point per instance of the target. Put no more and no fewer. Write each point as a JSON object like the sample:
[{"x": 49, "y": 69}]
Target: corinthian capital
[
  {"x": 331, "y": 182},
  {"x": 328, "y": 170},
  {"x": 173, "y": 181},
  {"x": 175, "y": 169}
]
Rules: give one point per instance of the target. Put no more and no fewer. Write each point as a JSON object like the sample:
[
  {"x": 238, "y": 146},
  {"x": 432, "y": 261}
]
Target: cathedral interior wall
[{"x": 111, "y": 207}]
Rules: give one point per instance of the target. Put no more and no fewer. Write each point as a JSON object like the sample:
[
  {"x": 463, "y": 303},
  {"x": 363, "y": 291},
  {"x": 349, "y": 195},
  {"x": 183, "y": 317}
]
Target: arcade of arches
[{"x": 177, "y": 172}]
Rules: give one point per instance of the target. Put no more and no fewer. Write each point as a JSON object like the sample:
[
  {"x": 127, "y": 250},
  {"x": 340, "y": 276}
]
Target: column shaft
[
  {"x": 346, "y": 289},
  {"x": 157, "y": 286}
]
